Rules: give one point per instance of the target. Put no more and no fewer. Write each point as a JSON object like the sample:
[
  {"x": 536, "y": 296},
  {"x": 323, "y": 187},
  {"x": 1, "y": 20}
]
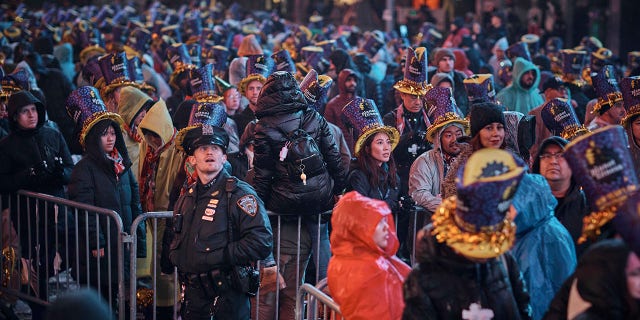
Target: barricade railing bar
[
  {"x": 49, "y": 237},
  {"x": 314, "y": 298}
]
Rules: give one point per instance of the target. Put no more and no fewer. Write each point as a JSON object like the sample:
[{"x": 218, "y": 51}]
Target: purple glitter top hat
[
  {"x": 532, "y": 41},
  {"x": 475, "y": 222},
  {"x": 601, "y": 163},
  {"x": 633, "y": 59},
  {"x": 362, "y": 114},
  {"x": 486, "y": 185},
  {"x": 115, "y": 70},
  {"x": 139, "y": 40},
  {"x": 441, "y": 111},
  {"x": 259, "y": 67},
  {"x": 630, "y": 88},
  {"x": 342, "y": 43},
  {"x": 415, "y": 73},
  {"x": 560, "y": 118},
  {"x": 14, "y": 82},
  {"x": 480, "y": 88},
  {"x": 218, "y": 56},
  {"x": 85, "y": 106},
  {"x": 315, "y": 88},
  {"x": 599, "y": 58},
  {"x": 179, "y": 58},
  {"x": 283, "y": 62},
  {"x": 313, "y": 58},
  {"x": 519, "y": 49},
  {"x": 91, "y": 71},
  {"x": 372, "y": 45},
  {"x": 327, "y": 47},
  {"x": 195, "y": 52},
  {"x": 606, "y": 85},
  {"x": 572, "y": 62},
  {"x": 204, "y": 116},
  {"x": 203, "y": 86}
]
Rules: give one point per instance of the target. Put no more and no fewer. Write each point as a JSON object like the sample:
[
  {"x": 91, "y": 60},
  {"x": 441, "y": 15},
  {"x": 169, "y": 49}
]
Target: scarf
[
  {"x": 118, "y": 166},
  {"x": 148, "y": 176},
  {"x": 400, "y": 120},
  {"x": 133, "y": 133}
]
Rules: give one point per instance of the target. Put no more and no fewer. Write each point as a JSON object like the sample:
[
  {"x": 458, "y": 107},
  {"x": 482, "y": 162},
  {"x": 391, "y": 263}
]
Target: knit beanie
[
  {"x": 483, "y": 114},
  {"x": 441, "y": 53}
]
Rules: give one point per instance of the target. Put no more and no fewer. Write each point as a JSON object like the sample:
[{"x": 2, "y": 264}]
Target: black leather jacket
[
  {"x": 445, "y": 283},
  {"x": 202, "y": 245},
  {"x": 283, "y": 108}
]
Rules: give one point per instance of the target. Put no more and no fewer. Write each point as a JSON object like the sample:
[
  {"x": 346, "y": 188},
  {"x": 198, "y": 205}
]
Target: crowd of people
[{"x": 521, "y": 159}]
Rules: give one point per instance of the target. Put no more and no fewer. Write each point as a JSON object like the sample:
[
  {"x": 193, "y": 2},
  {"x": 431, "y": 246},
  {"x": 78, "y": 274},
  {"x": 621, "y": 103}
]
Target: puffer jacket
[
  {"x": 282, "y": 108},
  {"x": 444, "y": 284}
]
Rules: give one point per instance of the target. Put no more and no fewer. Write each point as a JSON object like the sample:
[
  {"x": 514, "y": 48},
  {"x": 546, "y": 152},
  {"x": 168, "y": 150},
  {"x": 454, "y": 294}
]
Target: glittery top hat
[
  {"x": 532, "y": 41},
  {"x": 480, "y": 88},
  {"x": 441, "y": 111},
  {"x": 315, "y": 88},
  {"x": 327, "y": 47},
  {"x": 599, "y": 58},
  {"x": 601, "y": 163},
  {"x": 218, "y": 56},
  {"x": 606, "y": 86},
  {"x": 179, "y": 58},
  {"x": 92, "y": 73},
  {"x": 205, "y": 116},
  {"x": 135, "y": 72},
  {"x": 259, "y": 67},
  {"x": 86, "y": 108},
  {"x": 362, "y": 114},
  {"x": 560, "y": 118},
  {"x": 139, "y": 41},
  {"x": 313, "y": 58},
  {"x": 518, "y": 49},
  {"x": 572, "y": 64},
  {"x": 195, "y": 52},
  {"x": 630, "y": 88},
  {"x": 504, "y": 72},
  {"x": 342, "y": 43},
  {"x": 475, "y": 222},
  {"x": 372, "y": 44},
  {"x": 115, "y": 70},
  {"x": 14, "y": 82},
  {"x": 554, "y": 45},
  {"x": 203, "y": 86},
  {"x": 415, "y": 73},
  {"x": 283, "y": 62}
]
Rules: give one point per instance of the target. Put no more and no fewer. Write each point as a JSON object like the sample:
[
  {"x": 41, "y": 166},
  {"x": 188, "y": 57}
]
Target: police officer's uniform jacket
[{"x": 202, "y": 245}]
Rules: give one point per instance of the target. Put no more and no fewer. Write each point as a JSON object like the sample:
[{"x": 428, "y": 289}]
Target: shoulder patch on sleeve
[{"x": 248, "y": 204}]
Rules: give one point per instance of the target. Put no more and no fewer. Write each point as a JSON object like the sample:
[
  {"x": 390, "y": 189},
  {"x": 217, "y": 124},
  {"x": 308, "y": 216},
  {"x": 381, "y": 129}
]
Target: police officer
[{"x": 219, "y": 225}]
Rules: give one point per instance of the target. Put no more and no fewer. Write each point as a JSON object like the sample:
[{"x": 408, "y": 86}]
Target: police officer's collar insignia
[{"x": 248, "y": 204}]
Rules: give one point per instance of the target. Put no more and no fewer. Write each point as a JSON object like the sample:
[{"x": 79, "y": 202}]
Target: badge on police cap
[{"x": 248, "y": 204}]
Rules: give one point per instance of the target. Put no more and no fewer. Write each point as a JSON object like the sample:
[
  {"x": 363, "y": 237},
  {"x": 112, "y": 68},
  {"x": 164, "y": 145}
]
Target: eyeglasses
[{"x": 549, "y": 156}]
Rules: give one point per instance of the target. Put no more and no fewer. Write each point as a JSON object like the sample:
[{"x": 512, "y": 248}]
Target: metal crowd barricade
[
  {"x": 316, "y": 300},
  {"x": 149, "y": 217},
  {"x": 53, "y": 238}
]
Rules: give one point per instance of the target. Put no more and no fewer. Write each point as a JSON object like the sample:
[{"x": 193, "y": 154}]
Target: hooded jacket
[
  {"x": 544, "y": 248},
  {"x": 515, "y": 97},
  {"x": 158, "y": 120},
  {"x": 446, "y": 283},
  {"x": 427, "y": 174},
  {"x": 130, "y": 104},
  {"x": 94, "y": 182},
  {"x": 282, "y": 108},
  {"x": 333, "y": 110},
  {"x": 364, "y": 279}
]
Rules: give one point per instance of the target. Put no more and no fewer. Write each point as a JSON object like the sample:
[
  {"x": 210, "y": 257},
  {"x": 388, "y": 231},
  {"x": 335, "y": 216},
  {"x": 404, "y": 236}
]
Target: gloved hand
[
  {"x": 407, "y": 203},
  {"x": 32, "y": 176},
  {"x": 269, "y": 278},
  {"x": 57, "y": 168}
]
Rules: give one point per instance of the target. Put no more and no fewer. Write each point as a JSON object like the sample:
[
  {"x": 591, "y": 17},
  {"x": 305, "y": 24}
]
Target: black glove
[
  {"x": 33, "y": 175},
  {"x": 407, "y": 203},
  {"x": 57, "y": 167}
]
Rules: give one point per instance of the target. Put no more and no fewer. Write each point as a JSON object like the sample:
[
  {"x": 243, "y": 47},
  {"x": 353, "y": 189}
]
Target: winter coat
[
  {"x": 171, "y": 160},
  {"x": 543, "y": 248},
  {"x": 333, "y": 109},
  {"x": 282, "y": 108},
  {"x": 359, "y": 181},
  {"x": 56, "y": 88},
  {"x": 597, "y": 290},
  {"x": 364, "y": 279},
  {"x": 93, "y": 182},
  {"x": 22, "y": 154},
  {"x": 515, "y": 97},
  {"x": 445, "y": 283},
  {"x": 570, "y": 211},
  {"x": 426, "y": 176}
]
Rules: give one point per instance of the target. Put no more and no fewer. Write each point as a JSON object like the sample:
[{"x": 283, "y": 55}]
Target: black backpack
[{"x": 301, "y": 156}]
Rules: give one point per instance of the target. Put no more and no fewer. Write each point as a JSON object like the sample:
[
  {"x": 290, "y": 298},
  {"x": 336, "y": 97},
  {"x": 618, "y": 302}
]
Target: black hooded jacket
[
  {"x": 446, "y": 283},
  {"x": 282, "y": 108}
]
